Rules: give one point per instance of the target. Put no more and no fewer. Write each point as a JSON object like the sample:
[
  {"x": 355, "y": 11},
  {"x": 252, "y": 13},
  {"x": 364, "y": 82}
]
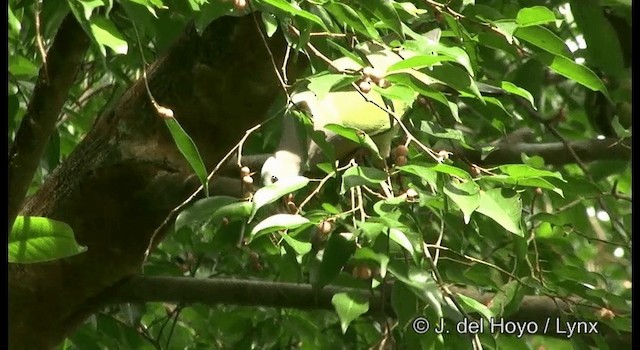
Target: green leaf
[
  {"x": 295, "y": 10},
  {"x": 347, "y": 15},
  {"x": 397, "y": 92},
  {"x": 402, "y": 240},
  {"x": 336, "y": 254},
  {"x": 417, "y": 62},
  {"x": 271, "y": 193},
  {"x": 603, "y": 43},
  {"x": 456, "y": 78},
  {"x": 430, "y": 48},
  {"x": 189, "y": 150},
  {"x": 37, "y": 239},
  {"x": 577, "y": 72},
  {"x": 270, "y": 23},
  {"x": 349, "y": 307},
  {"x": 404, "y": 302},
  {"x": 202, "y": 210},
  {"x": 365, "y": 253},
  {"x": 518, "y": 171},
  {"x": 278, "y": 222},
  {"x": 524, "y": 181},
  {"x": 451, "y": 170},
  {"x": 504, "y": 207},
  {"x": 362, "y": 176},
  {"x": 466, "y": 195},
  {"x": 320, "y": 85},
  {"x": 508, "y": 299},
  {"x": 14, "y": 23},
  {"x": 544, "y": 39},
  {"x": 423, "y": 171},
  {"x": 106, "y": 34},
  {"x": 384, "y": 11},
  {"x": 471, "y": 305},
  {"x": 513, "y": 89},
  {"x": 19, "y": 66},
  {"x": 356, "y": 135},
  {"x": 536, "y": 15},
  {"x": 232, "y": 212},
  {"x": 300, "y": 247}
]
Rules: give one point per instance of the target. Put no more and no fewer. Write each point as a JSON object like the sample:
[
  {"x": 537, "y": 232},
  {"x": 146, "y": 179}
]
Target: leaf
[
  {"x": 22, "y": 67},
  {"x": 577, "y": 72},
  {"x": 384, "y": 11},
  {"x": 508, "y": 299},
  {"x": 270, "y": 23},
  {"x": 321, "y": 85},
  {"x": 504, "y": 207},
  {"x": 294, "y": 10},
  {"x": 603, "y": 43},
  {"x": 300, "y": 247},
  {"x": 356, "y": 135},
  {"x": 349, "y": 307},
  {"x": 106, "y": 34},
  {"x": 365, "y": 253},
  {"x": 278, "y": 222},
  {"x": 513, "y": 89},
  {"x": 397, "y": 92},
  {"x": 402, "y": 240},
  {"x": 37, "y": 239},
  {"x": 271, "y": 193},
  {"x": 347, "y": 15},
  {"x": 202, "y": 210},
  {"x": 535, "y": 15},
  {"x": 456, "y": 78},
  {"x": 336, "y": 254},
  {"x": 417, "y": 62},
  {"x": 474, "y": 306},
  {"x": 189, "y": 150},
  {"x": 524, "y": 181},
  {"x": 14, "y": 23},
  {"x": 544, "y": 39},
  {"x": 518, "y": 171},
  {"x": 232, "y": 212},
  {"x": 466, "y": 195},
  {"x": 361, "y": 176}
]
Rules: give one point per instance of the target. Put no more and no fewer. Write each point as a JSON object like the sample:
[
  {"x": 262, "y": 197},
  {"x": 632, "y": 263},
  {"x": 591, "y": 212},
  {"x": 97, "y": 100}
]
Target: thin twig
[
  {"x": 40, "y": 42},
  {"x": 271, "y": 57},
  {"x": 322, "y": 183}
]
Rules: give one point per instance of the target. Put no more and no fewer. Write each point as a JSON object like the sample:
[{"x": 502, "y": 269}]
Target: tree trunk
[{"x": 126, "y": 175}]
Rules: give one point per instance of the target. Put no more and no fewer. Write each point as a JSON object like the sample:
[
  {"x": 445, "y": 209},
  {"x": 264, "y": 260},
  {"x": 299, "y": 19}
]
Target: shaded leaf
[{"x": 189, "y": 150}]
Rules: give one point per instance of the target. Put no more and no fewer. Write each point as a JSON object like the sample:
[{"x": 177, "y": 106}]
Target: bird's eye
[{"x": 274, "y": 179}]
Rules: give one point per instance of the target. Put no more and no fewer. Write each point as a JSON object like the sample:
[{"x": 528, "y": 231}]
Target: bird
[{"x": 351, "y": 108}]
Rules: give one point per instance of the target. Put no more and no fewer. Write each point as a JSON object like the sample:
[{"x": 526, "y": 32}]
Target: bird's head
[{"x": 280, "y": 166}]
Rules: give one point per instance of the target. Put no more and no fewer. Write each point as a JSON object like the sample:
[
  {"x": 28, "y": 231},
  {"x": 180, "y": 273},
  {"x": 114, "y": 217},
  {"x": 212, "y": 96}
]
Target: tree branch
[
  {"x": 141, "y": 289},
  {"x": 554, "y": 153},
  {"x": 54, "y": 81}
]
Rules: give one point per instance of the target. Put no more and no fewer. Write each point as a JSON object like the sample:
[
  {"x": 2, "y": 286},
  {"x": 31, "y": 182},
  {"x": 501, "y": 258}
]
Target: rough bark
[{"x": 126, "y": 175}]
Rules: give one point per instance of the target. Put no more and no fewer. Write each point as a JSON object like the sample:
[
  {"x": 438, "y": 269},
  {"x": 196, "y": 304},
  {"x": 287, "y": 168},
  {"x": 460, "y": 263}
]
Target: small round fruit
[
  {"x": 245, "y": 171},
  {"x": 401, "y": 160},
  {"x": 240, "y": 5},
  {"x": 325, "y": 227},
  {"x": 364, "y": 86},
  {"x": 401, "y": 150},
  {"x": 248, "y": 180}
]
